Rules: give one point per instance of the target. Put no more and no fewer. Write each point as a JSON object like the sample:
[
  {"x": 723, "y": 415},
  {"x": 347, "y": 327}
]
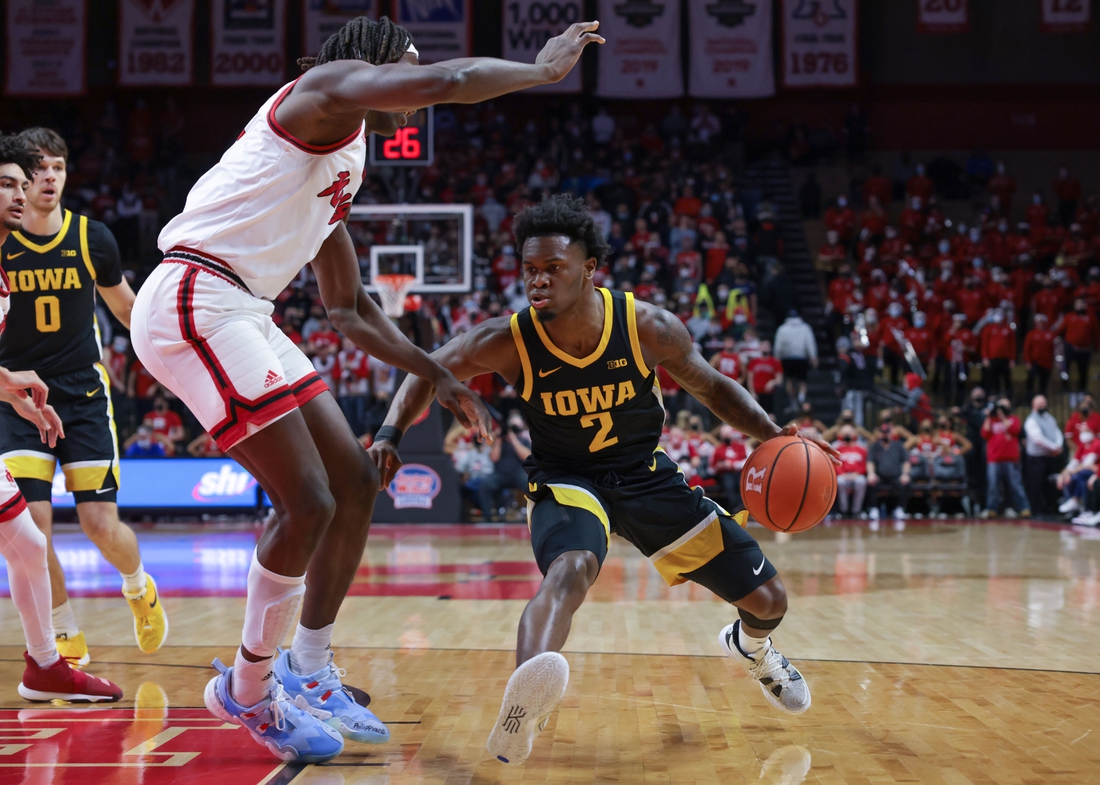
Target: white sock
[
  {"x": 133, "y": 585},
  {"x": 750, "y": 645},
  {"x": 310, "y": 650},
  {"x": 23, "y": 547},
  {"x": 251, "y": 680},
  {"x": 64, "y": 622}
]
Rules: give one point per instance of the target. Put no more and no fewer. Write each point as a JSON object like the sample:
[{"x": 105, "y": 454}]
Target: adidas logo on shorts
[{"x": 272, "y": 379}]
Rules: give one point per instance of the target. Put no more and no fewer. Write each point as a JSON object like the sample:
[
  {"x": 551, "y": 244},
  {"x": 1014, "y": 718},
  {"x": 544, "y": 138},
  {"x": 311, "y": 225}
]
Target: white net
[{"x": 392, "y": 289}]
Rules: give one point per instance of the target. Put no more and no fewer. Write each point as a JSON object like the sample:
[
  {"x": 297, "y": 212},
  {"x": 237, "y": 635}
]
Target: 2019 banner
[
  {"x": 248, "y": 43},
  {"x": 1066, "y": 16},
  {"x": 45, "y": 47},
  {"x": 943, "y": 16},
  {"x": 155, "y": 42},
  {"x": 819, "y": 43},
  {"x": 641, "y": 58},
  {"x": 529, "y": 24},
  {"x": 440, "y": 28},
  {"x": 731, "y": 49},
  {"x": 322, "y": 18}
]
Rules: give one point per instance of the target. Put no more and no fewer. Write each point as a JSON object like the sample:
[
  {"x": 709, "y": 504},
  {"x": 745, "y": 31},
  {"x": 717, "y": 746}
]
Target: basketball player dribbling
[
  {"x": 47, "y": 676},
  {"x": 583, "y": 360},
  {"x": 202, "y": 326}
]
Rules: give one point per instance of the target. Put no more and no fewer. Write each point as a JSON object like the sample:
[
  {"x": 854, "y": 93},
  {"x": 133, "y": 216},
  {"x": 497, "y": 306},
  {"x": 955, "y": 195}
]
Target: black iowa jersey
[
  {"x": 591, "y": 415},
  {"x": 51, "y": 327}
]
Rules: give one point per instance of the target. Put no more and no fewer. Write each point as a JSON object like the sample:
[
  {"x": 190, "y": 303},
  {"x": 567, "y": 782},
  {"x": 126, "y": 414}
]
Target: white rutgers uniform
[
  {"x": 11, "y": 500},
  {"x": 202, "y": 321}
]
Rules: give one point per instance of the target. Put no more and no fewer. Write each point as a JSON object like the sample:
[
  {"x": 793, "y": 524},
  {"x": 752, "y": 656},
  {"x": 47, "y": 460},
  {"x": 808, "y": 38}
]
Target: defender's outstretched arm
[{"x": 666, "y": 342}]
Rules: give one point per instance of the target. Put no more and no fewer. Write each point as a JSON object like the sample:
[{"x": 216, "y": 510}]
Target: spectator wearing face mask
[
  {"x": 1081, "y": 332},
  {"x": 893, "y": 329},
  {"x": 855, "y": 378},
  {"x": 726, "y": 463},
  {"x": 851, "y": 476},
  {"x": 765, "y": 376},
  {"x": 796, "y": 348},
  {"x": 841, "y": 219},
  {"x": 1084, "y": 416},
  {"x": 1039, "y": 355},
  {"x": 972, "y": 416},
  {"x": 1043, "y": 448},
  {"x": 888, "y": 473},
  {"x": 1001, "y": 431},
  {"x": 1073, "y": 479},
  {"x": 998, "y": 349},
  {"x": 922, "y": 340}
]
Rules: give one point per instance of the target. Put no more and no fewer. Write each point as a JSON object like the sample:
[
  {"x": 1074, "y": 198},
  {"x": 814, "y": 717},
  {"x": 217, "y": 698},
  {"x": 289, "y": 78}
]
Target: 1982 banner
[
  {"x": 440, "y": 28},
  {"x": 154, "y": 42},
  {"x": 322, "y": 18},
  {"x": 45, "y": 47},
  {"x": 529, "y": 24},
  {"x": 249, "y": 43},
  {"x": 641, "y": 58},
  {"x": 819, "y": 43},
  {"x": 731, "y": 49}
]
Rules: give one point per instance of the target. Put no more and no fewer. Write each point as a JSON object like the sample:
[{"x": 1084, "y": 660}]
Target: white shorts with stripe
[
  {"x": 11, "y": 500},
  {"x": 202, "y": 335}
]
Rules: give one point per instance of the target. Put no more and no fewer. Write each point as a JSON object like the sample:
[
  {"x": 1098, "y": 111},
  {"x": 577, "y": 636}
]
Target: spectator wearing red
[
  {"x": 765, "y": 375},
  {"x": 1068, "y": 190},
  {"x": 841, "y": 288},
  {"x": 851, "y": 476},
  {"x": 726, "y": 463},
  {"x": 874, "y": 219},
  {"x": 920, "y": 186},
  {"x": 324, "y": 338},
  {"x": 1048, "y": 300},
  {"x": 892, "y": 248},
  {"x": 688, "y": 203},
  {"x": 687, "y": 258},
  {"x": 922, "y": 339},
  {"x": 164, "y": 422},
  {"x": 966, "y": 244},
  {"x": 141, "y": 383},
  {"x": 1039, "y": 355},
  {"x": 998, "y": 350},
  {"x": 1079, "y": 252},
  {"x": 1088, "y": 215},
  {"x": 728, "y": 362},
  {"x": 1003, "y": 186},
  {"x": 894, "y": 324},
  {"x": 832, "y": 254},
  {"x": 1090, "y": 290},
  {"x": 878, "y": 294},
  {"x": 911, "y": 221},
  {"x": 841, "y": 219},
  {"x": 1001, "y": 432},
  {"x": 1085, "y": 416},
  {"x": 1081, "y": 332},
  {"x": 878, "y": 186},
  {"x": 972, "y": 300}
]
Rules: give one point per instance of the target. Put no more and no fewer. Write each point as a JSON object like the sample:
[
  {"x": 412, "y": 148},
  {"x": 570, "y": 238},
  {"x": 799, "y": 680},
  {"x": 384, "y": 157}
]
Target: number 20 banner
[
  {"x": 154, "y": 42},
  {"x": 819, "y": 43},
  {"x": 529, "y": 24},
  {"x": 248, "y": 43}
]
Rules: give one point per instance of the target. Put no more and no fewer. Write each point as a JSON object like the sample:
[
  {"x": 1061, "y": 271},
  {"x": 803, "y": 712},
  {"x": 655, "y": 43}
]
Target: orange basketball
[{"x": 788, "y": 484}]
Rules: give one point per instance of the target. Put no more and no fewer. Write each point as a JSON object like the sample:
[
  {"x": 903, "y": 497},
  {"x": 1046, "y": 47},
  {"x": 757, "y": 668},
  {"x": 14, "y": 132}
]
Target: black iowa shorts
[
  {"x": 89, "y": 452},
  {"x": 686, "y": 535}
]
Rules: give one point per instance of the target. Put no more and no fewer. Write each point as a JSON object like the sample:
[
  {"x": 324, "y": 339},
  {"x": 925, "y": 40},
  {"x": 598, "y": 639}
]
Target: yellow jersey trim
[
  {"x": 694, "y": 549},
  {"x": 84, "y": 252},
  {"x": 574, "y": 496},
  {"x": 524, "y": 360},
  {"x": 31, "y": 464},
  {"x": 52, "y": 243},
  {"x": 632, "y": 329},
  {"x": 608, "y": 318}
]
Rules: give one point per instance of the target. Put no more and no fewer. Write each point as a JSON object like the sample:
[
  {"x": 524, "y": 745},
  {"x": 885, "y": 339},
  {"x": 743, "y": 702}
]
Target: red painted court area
[{"x": 129, "y": 747}]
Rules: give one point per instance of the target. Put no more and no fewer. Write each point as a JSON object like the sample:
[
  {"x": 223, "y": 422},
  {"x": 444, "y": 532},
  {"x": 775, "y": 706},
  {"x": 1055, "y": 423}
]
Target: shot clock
[{"x": 413, "y": 145}]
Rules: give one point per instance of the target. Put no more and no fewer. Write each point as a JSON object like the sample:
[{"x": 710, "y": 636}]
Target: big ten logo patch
[
  {"x": 754, "y": 480},
  {"x": 613, "y": 364}
]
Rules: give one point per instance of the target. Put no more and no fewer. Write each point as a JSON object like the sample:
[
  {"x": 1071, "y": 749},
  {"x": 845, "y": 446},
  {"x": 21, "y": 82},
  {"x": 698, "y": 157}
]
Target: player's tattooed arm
[{"x": 666, "y": 342}]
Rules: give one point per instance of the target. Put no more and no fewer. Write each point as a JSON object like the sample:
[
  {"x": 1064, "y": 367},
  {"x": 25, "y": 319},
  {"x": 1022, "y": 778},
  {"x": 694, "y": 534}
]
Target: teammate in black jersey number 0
[{"x": 583, "y": 360}]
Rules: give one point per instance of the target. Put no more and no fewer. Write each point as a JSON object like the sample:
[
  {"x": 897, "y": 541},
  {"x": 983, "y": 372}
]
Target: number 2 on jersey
[
  {"x": 601, "y": 440},
  {"x": 47, "y": 314}
]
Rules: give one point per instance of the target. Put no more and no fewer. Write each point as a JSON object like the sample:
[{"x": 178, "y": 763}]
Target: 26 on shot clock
[{"x": 413, "y": 145}]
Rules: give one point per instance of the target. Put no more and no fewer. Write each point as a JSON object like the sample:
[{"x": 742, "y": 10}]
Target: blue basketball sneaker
[
  {"x": 324, "y": 696},
  {"x": 276, "y": 722}
]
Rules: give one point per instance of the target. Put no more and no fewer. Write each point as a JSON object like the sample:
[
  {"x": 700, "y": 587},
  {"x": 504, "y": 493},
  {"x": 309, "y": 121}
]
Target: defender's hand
[
  {"x": 386, "y": 458},
  {"x": 466, "y": 405},
  {"x": 562, "y": 52},
  {"x": 18, "y": 383},
  {"x": 828, "y": 449},
  {"x": 45, "y": 419}
]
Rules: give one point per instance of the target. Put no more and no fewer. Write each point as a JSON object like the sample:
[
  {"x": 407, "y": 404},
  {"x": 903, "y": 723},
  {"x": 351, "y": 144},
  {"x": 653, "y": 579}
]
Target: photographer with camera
[
  {"x": 1001, "y": 432},
  {"x": 508, "y": 455}
]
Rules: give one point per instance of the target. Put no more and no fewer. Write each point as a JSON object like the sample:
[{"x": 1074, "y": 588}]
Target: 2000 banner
[{"x": 529, "y": 24}]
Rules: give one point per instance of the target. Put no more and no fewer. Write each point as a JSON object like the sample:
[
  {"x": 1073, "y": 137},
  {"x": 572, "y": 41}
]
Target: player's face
[
  {"x": 556, "y": 274},
  {"x": 49, "y": 183},
  {"x": 13, "y": 185}
]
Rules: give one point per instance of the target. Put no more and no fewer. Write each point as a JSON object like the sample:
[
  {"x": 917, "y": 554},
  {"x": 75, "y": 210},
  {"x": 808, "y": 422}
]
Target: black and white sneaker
[
  {"x": 533, "y": 692},
  {"x": 780, "y": 681}
]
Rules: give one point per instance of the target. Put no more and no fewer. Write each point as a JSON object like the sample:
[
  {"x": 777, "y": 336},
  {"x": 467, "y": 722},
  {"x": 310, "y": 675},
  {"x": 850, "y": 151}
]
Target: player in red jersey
[{"x": 48, "y": 676}]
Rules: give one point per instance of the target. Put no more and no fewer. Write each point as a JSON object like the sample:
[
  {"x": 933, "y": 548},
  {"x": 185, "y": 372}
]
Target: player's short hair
[
  {"x": 363, "y": 39},
  {"x": 13, "y": 150},
  {"x": 562, "y": 215},
  {"x": 46, "y": 139}
]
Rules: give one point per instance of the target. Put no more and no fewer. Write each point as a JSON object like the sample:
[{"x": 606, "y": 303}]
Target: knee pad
[
  {"x": 758, "y": 624},
  {"x": 271, "y": 609}
]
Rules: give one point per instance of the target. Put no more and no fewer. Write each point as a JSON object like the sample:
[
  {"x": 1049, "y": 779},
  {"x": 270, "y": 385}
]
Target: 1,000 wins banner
[{"x": 529, "y": 24}]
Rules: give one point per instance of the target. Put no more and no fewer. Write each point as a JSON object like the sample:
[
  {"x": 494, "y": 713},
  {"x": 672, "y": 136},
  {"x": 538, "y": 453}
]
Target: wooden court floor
[{"x": 950, "y": 652}]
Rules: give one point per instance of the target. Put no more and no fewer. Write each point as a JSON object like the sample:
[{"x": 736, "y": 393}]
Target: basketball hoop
[{"x": 393, "y": 289}]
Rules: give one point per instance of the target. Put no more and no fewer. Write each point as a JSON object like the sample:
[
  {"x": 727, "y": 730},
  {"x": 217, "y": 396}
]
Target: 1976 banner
[{"x": 819, "y": 43}]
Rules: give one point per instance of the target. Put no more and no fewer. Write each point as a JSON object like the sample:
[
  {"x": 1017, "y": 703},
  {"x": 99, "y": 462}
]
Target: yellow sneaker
[
  {"x": 73, "y": 648},
  {"x": 150, "y": 620}
]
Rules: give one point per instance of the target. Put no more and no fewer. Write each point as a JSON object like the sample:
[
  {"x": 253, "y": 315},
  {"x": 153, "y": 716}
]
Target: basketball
[{"x": 788, "y": 484}]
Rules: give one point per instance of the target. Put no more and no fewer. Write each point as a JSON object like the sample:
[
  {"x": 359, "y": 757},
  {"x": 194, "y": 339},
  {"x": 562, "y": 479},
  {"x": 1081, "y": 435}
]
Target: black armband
[
  {"x": 758, "y": 624},
  {"x": 391, "y": 434}
]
